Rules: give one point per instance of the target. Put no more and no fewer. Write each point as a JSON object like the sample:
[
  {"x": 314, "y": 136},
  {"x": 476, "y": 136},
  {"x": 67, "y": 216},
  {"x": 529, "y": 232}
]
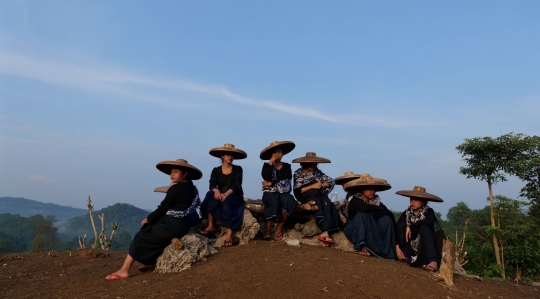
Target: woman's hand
[
  {"x": 399, "y": 253},
  {"x": 145, "y": 221},
  {"x": 266, "y": 184},
  {"x": 216, "y": 194},
  {"x": 407, "y": 234},
  {"x": 316, "y": 186},
  {"x": 222, "y": 197}
]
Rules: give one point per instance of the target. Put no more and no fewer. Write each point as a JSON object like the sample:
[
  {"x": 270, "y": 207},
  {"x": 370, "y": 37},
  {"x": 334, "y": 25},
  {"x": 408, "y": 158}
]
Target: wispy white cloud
[
  {"x": 120, "y": 82},
  {"x": 39, "y": 178}
]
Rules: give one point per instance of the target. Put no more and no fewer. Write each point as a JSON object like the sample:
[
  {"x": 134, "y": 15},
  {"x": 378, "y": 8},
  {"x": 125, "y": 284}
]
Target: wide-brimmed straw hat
[
  {"x": 365, "y": 181},
  {"x": 166, "y": 166},
  {"x": 347, "y": 177},
  {"x": 162, "y": 189},
  {"x": 228, "y": 149},
  {"x": 420, "y": 192},
  {"x": 311, "y": 157},
  {"x": 286, "y": 147}
]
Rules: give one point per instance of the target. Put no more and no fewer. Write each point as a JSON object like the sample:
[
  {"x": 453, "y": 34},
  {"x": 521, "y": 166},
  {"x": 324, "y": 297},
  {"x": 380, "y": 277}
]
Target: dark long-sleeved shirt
[
  {"x": 224, "y": 182},
  {"x": 285, "y": 173},
  {"x": 179, "y": 197},
  {"x": 358, "y": 205}
]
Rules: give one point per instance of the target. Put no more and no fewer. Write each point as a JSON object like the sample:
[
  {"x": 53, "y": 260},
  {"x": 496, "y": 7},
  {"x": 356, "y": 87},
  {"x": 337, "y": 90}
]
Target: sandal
[
  {"x": 209, "y": 234},
  {"x": 278, "y": 237},
  {"x": 234, "y": 242},
  {"x": 429, "y": 268},
  {"x": 326, "y": 240},
  {"x": 323, "y": 244},
  {"x": 146, "y": 268},
  {"x": 115, "y": 276},
  {"x": 267, "y": 237}
]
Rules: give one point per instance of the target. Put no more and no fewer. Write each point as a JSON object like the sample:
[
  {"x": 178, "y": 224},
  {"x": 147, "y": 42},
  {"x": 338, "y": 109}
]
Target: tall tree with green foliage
[
  {"x": 488, "y": 159},
  {"x": 527, "y": 168}
]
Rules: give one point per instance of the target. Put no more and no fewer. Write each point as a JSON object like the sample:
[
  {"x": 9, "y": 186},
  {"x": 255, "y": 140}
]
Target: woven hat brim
[
  {"x": 418, "y": 194},
  {"x": 311, "y": 160},
  {"x": 376, "y": 187},
  {"x": 218, "y": 152},
  {"x": 193, "y": 172},
  {"x": 343, "y": 181},
  {"x": 162, "y": 189},
  {"x": 286, "y": 147}
]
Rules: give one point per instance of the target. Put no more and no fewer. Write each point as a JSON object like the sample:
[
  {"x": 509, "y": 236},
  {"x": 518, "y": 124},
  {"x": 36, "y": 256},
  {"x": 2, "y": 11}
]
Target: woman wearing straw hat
[
  {"x": 345, "y": 178},
  {"x": 311, "y": 188},
  {"x": 371, "y": 225},
  {"x": 416, "y": 231},
  {"x": 224, "y": 202},
  {"x": 171, "y": 219},
  {"x": 277, "y": 198}
]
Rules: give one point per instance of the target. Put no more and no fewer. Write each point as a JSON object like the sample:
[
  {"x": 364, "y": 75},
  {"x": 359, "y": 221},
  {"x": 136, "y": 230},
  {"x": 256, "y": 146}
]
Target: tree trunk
[
  {"x": 446, "y": 270},
  {"x": 495, "y": 239},
  {"x": 90, "y": 208}
]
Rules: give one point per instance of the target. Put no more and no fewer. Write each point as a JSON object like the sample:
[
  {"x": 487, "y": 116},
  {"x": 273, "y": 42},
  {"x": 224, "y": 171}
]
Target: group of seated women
[{"x": 370, "y": 226}]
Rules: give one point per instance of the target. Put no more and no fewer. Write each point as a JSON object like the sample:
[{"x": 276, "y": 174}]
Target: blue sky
[{"x": 94, "y": 94}]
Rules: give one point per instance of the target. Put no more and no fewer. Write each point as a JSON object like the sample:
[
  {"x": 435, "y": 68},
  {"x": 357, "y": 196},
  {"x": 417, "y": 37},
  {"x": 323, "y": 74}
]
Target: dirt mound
[{"x": 256, "y": 270}]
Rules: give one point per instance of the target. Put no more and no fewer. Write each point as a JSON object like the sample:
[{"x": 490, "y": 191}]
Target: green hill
[
  {"x": 27, "y": 207},
  {"x": 128, "y": 216}
]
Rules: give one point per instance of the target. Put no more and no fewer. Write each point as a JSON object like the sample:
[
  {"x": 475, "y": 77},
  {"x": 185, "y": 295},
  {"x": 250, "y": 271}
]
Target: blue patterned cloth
[
  {"x": 192, "y": 209},
  {"x": 283, "y": 186},
  {"x": 301, "y": 179}
]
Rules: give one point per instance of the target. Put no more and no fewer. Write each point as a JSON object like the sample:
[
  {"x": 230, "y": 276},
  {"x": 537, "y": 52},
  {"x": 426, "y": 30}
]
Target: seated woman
[
  {"x": 277, "y": 198},
  {"x": 311, "y": 188},
  {"x": 224, "y": 202},
  {"x": 171, "y": 219},
  {"x": 342, "y": 180},
  {"x": 416, "y": 231},
  {"x": 371, "y": 225}
]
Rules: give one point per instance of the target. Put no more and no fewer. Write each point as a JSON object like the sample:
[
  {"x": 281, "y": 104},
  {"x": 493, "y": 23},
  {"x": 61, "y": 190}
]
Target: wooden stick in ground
[
  {"x": 90, "y": 208},
  {"x": 113, "y": 233},
  {"x": 177, "y": 243},
  {"x": 102, "y": 236},
  {"x": 446, "y": 270}
]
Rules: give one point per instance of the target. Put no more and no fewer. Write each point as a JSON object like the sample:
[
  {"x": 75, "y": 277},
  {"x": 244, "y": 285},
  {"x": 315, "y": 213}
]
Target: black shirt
[
  {"x": 358, "y": 205},
  {"x": 224, "y": 182},
  {"x": 285, "y": 173},
  {"x": 179, "y": 197}
]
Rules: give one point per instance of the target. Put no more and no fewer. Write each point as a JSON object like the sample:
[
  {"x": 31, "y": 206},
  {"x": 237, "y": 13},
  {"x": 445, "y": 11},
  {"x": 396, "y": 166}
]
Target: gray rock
[
  {"x": 294, "y": 243},
  {"x": 196, "y": 248},
  {"x": 249, "y": 230},
  {"x": 308, "y": 229},
  {"x": 341, "y": 242}
]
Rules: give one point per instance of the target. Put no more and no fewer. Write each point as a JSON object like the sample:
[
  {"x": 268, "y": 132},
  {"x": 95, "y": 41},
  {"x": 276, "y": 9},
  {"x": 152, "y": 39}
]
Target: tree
[
  {"x": 527, "y": 168},
  {"x": 487, "y": 160}
]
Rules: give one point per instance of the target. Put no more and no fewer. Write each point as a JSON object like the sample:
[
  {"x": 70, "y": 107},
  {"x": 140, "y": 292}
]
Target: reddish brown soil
[{"x": 258, "y": 270}]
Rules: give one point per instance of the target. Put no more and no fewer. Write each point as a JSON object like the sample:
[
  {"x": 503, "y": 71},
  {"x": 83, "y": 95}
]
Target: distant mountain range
[
  {"x": 27, "y": 207},
  {"x": 73, "y": 222}
]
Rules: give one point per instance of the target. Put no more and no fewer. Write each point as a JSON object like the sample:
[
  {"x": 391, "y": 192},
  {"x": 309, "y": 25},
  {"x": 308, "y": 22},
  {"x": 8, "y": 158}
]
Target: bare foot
[
  {"x": 364, "y": 251},
  {"x": 432, "y": 266}
]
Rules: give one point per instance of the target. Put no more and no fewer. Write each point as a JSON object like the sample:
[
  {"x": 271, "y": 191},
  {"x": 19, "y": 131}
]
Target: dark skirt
[
  {"x": 274, "y": 202},
  {"x": 427, "y": 251},
  {"x": 377, "y": 236},
  {"x": 229, "y": 213},
  {"x": 327, "y": 216},
  {"x": 149, "y": 243}
]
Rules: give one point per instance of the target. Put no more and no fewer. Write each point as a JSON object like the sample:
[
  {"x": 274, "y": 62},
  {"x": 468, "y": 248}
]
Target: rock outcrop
[{"x": 196, "y": 248}]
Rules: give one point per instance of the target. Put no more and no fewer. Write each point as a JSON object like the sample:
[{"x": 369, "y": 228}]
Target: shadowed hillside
[{"x": 27, "y": 207}]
